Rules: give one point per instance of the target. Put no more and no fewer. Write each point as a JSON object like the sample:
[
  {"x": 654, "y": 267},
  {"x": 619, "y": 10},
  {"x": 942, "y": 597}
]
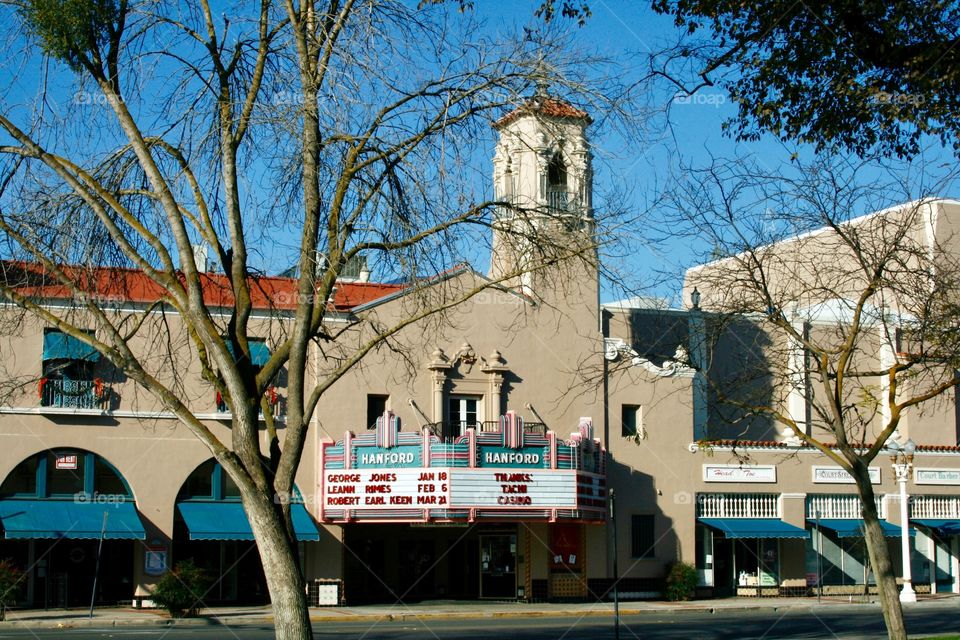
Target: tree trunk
[
  {"x": 879, "y": 553},
  {"x": 281, "y": 569}
]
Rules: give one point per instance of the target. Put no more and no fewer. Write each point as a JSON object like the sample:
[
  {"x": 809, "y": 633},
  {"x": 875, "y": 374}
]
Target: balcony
[
  {"x": 274, "y": 399},
  {"x": 738, "y": 505},
  {"x": 839, "y": 507},
  {"x": 446, "y": 430},
  {"x": 89, "y": 395},
  {"x": 562, "y": 201},
  {"x": 935, "y": 507}
]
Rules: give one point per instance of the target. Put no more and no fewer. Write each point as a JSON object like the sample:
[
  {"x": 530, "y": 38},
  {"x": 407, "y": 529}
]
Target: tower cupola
[{"x": 542, "y": 171}]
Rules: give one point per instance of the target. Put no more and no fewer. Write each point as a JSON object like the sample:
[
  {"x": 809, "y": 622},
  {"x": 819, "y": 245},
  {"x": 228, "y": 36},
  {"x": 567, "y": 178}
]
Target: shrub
[
  {"x": 681, "y": 581},
  {"x": 10, "y": 577},
  {"x": 181, "y": 590}
]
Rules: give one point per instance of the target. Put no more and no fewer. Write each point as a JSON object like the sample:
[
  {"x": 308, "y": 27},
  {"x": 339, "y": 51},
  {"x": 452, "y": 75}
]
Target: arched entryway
[
  {"x": 55, "y": 507},
  {"x": 212, "y": 530}
]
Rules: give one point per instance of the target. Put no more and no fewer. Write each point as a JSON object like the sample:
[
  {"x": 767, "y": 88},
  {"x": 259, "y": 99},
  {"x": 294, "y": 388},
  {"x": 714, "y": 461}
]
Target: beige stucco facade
[{"x": 543, "y": 348}]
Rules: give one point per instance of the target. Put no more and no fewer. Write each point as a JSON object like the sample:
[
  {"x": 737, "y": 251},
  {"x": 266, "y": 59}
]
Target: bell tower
[{"x": 542, "y": 171}]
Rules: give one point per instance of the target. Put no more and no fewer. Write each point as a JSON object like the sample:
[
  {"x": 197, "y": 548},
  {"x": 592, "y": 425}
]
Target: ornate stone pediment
[{"x": 678, "y": 365}]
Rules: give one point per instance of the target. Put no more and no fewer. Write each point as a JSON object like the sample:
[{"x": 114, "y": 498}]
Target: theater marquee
[{"x": 399, "y": 476}]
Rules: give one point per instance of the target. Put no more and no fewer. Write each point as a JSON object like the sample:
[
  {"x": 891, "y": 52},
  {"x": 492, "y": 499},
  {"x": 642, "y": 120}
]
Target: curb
[{"x": 667, "y": 610}]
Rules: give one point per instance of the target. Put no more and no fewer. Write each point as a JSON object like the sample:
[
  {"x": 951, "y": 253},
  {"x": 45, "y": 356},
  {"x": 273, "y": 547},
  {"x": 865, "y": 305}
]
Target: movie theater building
[{"x": 479, "y": 471}]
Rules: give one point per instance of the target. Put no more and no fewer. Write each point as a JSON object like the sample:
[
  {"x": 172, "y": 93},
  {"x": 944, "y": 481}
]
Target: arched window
[
  {"x": 209, "y": 482},
  {"x": 557, "y": 174},
  {"x": 63, "y": 473}
]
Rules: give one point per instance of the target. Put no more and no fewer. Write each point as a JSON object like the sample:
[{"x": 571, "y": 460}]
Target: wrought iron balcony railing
[
  {"x": 562, "y": 201},
  {"x": 74, "y": 394},
  {"x": 444, "y": 429}
]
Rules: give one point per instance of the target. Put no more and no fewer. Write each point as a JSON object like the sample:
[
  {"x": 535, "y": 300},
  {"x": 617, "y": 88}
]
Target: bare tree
[
  {"x": 822, "y": 327},
  {"x": 307, "y": 134}
]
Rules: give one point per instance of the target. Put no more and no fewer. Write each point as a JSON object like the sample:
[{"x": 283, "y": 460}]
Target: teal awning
[
  {"x": 755, "y": 528},
  {"x": 60, "y": 346},
  {"x": 228, "y": 521},
  {"x": 943, "y": 527},
  {"x": 259, "y": 351},
  {"x": 70, "y": 519},
  {"x": 853, "y": 528}
]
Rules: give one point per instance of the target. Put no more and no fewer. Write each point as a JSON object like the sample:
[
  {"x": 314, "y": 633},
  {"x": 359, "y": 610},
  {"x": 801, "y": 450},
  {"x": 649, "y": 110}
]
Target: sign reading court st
[{"x": 838, "y": 475}]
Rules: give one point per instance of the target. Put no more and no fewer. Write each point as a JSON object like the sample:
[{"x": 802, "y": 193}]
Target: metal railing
[
  {"x": 445, "y": 429},
  {"x": 74, "y": 394},
  {"x": 562, "y": 201},
  {"x": 275, "y": 401},
  {"x": 535, "y": 428}
]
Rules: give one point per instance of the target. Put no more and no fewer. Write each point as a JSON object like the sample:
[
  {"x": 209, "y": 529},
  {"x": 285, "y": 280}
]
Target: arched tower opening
[{"x": 542, "y": 170}]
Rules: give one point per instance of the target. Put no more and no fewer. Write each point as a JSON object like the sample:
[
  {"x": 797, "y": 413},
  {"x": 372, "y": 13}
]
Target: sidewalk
[{"x": 109, "y": 617}]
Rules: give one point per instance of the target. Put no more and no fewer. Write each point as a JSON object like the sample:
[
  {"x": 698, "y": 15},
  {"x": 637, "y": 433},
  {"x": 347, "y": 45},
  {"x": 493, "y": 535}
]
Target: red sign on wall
[
  {"x": 66, "y": 461},
  {"x": 565, "y": 542}
]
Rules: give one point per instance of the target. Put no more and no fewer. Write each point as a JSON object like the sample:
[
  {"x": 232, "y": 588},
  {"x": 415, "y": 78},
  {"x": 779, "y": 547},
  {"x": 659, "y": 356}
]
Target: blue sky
[
  {"x": 629, "y": 170},
  {"x": 692, "y": 133}
]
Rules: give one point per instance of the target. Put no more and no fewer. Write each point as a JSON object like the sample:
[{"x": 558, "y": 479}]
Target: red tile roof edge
[
  {"x": 124, "y": 284},
  {"x": 773, "y": 444},
  {"x": 548, "y": 106}
]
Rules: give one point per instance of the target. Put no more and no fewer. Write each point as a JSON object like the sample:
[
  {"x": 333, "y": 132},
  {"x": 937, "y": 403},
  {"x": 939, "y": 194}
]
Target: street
[{"x": 843, "y": 623}]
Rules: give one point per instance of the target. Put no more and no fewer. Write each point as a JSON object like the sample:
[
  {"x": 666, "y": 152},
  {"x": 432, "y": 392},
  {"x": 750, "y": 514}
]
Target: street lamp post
[
  {"x": 902, "y": 458},
  {"x": 616, "y": 573}
]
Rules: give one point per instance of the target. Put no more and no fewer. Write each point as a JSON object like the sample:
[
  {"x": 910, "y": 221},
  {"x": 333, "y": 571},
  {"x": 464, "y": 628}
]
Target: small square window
[{"x": 629, "y": 420}]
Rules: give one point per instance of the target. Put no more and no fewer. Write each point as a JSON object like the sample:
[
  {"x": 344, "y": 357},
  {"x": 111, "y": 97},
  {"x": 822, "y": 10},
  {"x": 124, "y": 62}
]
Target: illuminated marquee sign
[
  {"x": 399, "y": 476},
  {"x": 540, "y": 489},
  {"x": 366, "y": 489},
  {"x": 447, "y": 487}
]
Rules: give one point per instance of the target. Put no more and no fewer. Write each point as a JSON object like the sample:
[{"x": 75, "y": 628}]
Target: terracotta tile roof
[
  {"x": 550, "y": 107},
  {"x": 741, "y": 444},
  {"x": 938, "y": 448},
  {"x": 118, "y": 285},
  {"x": 773, "y": 444}
]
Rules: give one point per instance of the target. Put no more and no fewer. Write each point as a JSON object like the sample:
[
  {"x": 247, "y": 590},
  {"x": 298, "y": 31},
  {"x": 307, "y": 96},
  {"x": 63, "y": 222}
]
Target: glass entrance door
[
  {"x": 943, "y": 565},
  {"x": 498, "y": 566}
]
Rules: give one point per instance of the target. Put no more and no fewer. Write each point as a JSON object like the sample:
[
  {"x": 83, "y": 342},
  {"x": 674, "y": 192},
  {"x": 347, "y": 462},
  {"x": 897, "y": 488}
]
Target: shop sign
[
  {"x": 66, "y": 461},
  {"x": 937, "y": 476},
  {"x": 155, "y": 560},
  {"x": 565, "y": 542},
  {"x": 739, "y": 473},
  {"x": 839, "y": 475}
]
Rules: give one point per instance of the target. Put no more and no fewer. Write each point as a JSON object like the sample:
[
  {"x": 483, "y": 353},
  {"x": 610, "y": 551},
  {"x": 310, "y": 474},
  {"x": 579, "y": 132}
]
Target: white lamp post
[{"x": 902, "y": 459}]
